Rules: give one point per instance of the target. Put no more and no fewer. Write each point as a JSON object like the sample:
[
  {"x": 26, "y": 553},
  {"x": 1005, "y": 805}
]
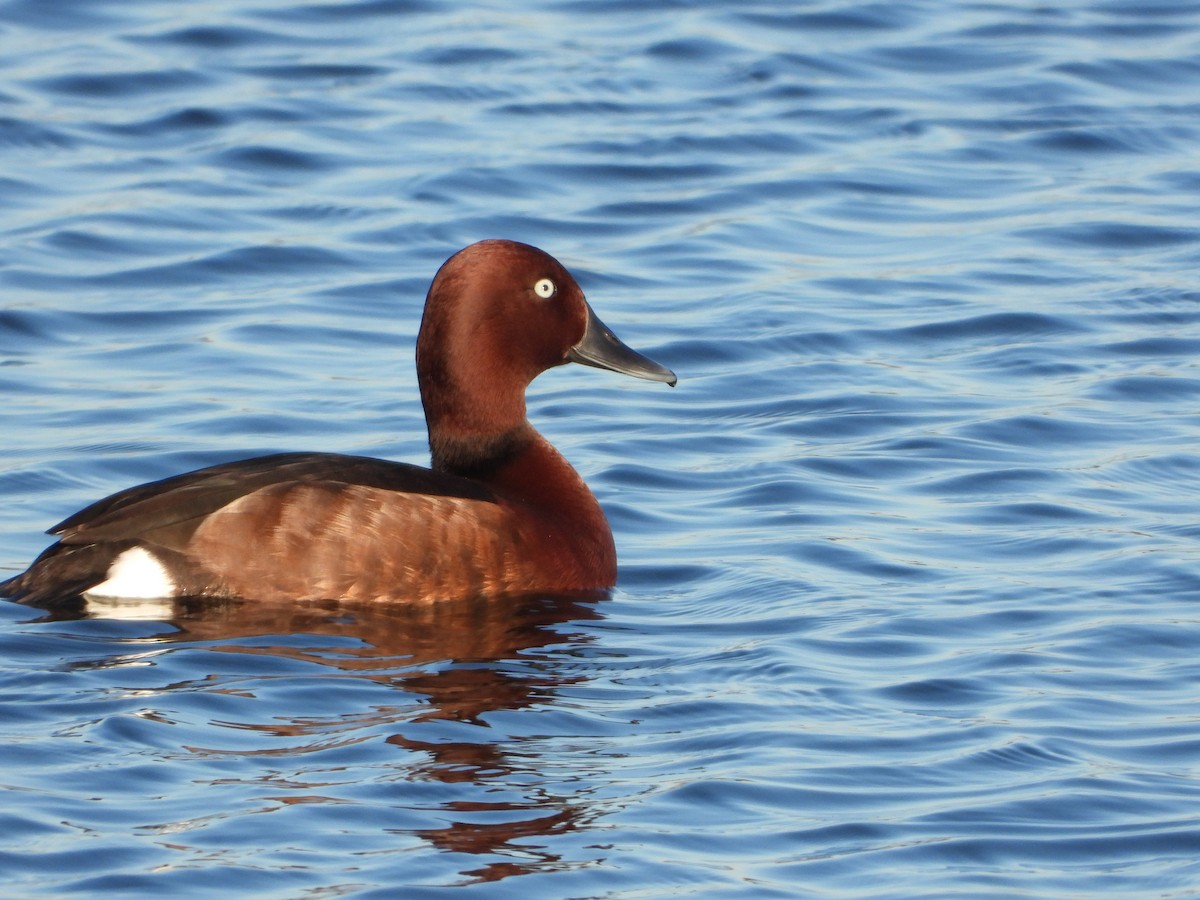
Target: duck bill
[{"x": 604, "y": 350}]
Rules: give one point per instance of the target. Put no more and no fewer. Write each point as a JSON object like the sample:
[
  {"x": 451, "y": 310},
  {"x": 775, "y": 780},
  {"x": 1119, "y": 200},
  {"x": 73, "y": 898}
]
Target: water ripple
[{"x": 908, "y": 558}]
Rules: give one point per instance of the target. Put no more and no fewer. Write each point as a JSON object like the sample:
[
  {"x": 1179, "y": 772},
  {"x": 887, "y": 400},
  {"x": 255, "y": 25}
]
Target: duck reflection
[{"x": 457, "y": 663}]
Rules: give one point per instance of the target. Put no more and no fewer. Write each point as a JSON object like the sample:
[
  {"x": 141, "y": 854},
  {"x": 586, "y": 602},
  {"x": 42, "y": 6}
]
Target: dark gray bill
[{"x": 604, "y": 350}]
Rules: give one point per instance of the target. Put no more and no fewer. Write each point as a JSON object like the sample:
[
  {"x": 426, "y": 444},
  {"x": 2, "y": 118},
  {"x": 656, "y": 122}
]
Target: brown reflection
[
  {"x": 461, "y": 660},
  {"x": 481, "y": 628},
  {"x": 462, "y": 837}
]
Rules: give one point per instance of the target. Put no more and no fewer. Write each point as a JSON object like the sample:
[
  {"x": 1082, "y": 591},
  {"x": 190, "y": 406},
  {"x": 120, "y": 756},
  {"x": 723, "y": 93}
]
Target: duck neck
[
  {"x": 520, "y": 464},
  {"x": 475, "y": 455},
  {"x": 470, "y": 434}
]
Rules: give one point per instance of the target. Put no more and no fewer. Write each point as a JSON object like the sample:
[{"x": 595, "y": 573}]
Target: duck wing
[
  {"x": 175, "y": 506},
  {"x": 202, "y": 525}
]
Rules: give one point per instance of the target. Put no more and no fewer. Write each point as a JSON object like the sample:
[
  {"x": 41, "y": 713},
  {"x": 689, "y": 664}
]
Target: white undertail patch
[{"x": 135, "y": 575}]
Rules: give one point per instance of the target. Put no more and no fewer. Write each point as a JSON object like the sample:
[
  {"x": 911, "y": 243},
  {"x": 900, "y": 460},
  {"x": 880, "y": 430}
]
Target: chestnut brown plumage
[{"x": 500, "y": 511}]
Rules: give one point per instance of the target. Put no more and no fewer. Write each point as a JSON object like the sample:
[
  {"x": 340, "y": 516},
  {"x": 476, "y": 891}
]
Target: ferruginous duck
[{"x": 500, "y": 511}]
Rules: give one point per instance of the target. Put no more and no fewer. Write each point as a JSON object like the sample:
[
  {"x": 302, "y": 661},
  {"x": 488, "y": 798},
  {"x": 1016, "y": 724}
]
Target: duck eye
[{"x": 545, "y": 288}]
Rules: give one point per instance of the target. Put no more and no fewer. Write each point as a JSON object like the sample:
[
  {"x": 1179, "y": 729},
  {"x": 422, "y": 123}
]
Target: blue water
[{"x": 909, "y": 600}]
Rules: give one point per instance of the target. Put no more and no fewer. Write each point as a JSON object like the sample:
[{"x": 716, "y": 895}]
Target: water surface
[{"x": 910, "y": 575}]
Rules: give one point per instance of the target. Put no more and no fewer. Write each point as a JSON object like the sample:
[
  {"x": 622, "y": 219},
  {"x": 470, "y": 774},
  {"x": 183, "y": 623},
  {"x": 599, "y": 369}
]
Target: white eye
[{"x": 545, "y": 288}]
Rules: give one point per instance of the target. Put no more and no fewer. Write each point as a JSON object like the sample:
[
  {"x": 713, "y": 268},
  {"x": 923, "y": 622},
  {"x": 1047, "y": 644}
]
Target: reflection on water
[{"x": 446, "y": 662}]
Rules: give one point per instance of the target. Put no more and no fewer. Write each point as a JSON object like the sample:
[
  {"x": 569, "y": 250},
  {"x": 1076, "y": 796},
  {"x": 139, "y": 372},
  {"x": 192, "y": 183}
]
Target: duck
[{"x": 499, "y": 511}]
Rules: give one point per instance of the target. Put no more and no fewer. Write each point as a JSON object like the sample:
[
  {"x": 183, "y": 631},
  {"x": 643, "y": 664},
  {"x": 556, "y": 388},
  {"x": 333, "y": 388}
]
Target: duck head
[{"x": 498, "y": 314}]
